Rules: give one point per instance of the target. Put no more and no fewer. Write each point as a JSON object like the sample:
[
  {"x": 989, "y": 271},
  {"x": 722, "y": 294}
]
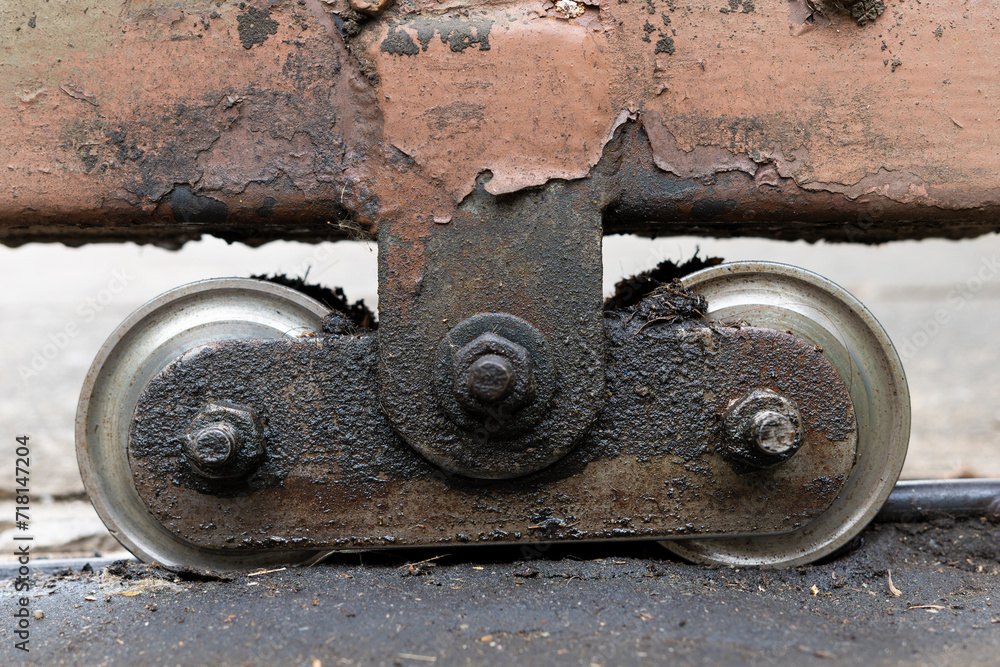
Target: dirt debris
[
  {"x": 669, "y": 304},
  {"x": 630, "y": 291},
  {"x": 127, "y": 570},
  {"x": 347, "y": 318}
]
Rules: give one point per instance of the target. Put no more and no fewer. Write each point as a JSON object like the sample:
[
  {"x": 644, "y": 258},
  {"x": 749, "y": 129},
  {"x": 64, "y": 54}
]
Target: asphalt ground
[{"x": 903, "y": 594}]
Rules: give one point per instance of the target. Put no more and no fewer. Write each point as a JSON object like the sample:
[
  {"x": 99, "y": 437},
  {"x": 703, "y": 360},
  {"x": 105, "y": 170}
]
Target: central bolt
[
  {"x": 773, "y": 433},
  {"x": 214, "y": 446},
  {"x": 490, "y": 378}
]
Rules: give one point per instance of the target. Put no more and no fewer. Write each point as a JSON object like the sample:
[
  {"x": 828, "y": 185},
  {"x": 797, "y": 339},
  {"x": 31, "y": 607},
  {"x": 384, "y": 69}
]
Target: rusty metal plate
[
  {"x": 336, "y": 475},
  {"x": 162, "y": 120},
  {"x": 524, "y": 267}
]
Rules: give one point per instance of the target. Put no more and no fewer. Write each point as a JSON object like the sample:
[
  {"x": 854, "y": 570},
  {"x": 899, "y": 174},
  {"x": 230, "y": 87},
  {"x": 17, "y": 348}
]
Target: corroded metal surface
[
  {"x": 823, "y": 314},
  {"x": 531, "y": 259},
  {"x": 337, "y": 475},
  {"x": 162, "y": 330},
  {"x": 160, "y": 120}
]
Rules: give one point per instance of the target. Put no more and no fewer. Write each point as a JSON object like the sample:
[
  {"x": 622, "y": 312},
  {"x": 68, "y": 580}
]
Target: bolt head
[
  {"x": 760, "y": 430},
  {"x": 490, "y": 378},
  {"x": 214, "y": 445},
  {"x": 224, "y": 441},
  {"x": 493, "y": 375},
  {"x": 773, "y": 433}
]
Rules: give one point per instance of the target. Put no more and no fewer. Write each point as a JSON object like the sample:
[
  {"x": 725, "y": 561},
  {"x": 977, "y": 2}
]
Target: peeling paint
[
  {"x": 696, "y": 161},
  {"x": 541, "y": 88},
  {"x": 766, "y": 174}
]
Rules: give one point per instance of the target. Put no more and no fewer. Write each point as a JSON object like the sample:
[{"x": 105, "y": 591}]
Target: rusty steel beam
[{"x": 162, "y": 120}]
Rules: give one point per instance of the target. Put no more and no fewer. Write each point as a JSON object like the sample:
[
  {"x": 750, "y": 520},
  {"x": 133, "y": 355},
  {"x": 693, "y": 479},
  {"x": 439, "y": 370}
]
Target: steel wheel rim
[
  {"x": 158, "y": 332},
  {"x": 819, "y": 311}
]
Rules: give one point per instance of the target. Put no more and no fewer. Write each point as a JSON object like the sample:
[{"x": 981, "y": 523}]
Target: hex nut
[
  {"x": 760, "y": 430},
  {"x": 493, "y": 374},
  {"x": 224, "y": 441},
  {"x": 488, "y": 430}
]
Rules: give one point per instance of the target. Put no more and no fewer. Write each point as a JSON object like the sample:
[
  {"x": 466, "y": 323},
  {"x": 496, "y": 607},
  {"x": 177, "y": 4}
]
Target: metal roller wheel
[
  {"x": 816, "y": 310},
  {"x": 156, "y": 334}
]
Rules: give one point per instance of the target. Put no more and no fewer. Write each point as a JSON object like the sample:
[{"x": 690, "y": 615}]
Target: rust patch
[
  {"x": 458, "y": 32},
  {"x": 862, "y": 11},
  {"x": 528, "y": 104},
  {"x": 255, "y": 25}
]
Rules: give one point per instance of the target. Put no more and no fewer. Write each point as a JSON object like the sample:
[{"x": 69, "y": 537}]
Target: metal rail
[{"x": 924, "y": 499}]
